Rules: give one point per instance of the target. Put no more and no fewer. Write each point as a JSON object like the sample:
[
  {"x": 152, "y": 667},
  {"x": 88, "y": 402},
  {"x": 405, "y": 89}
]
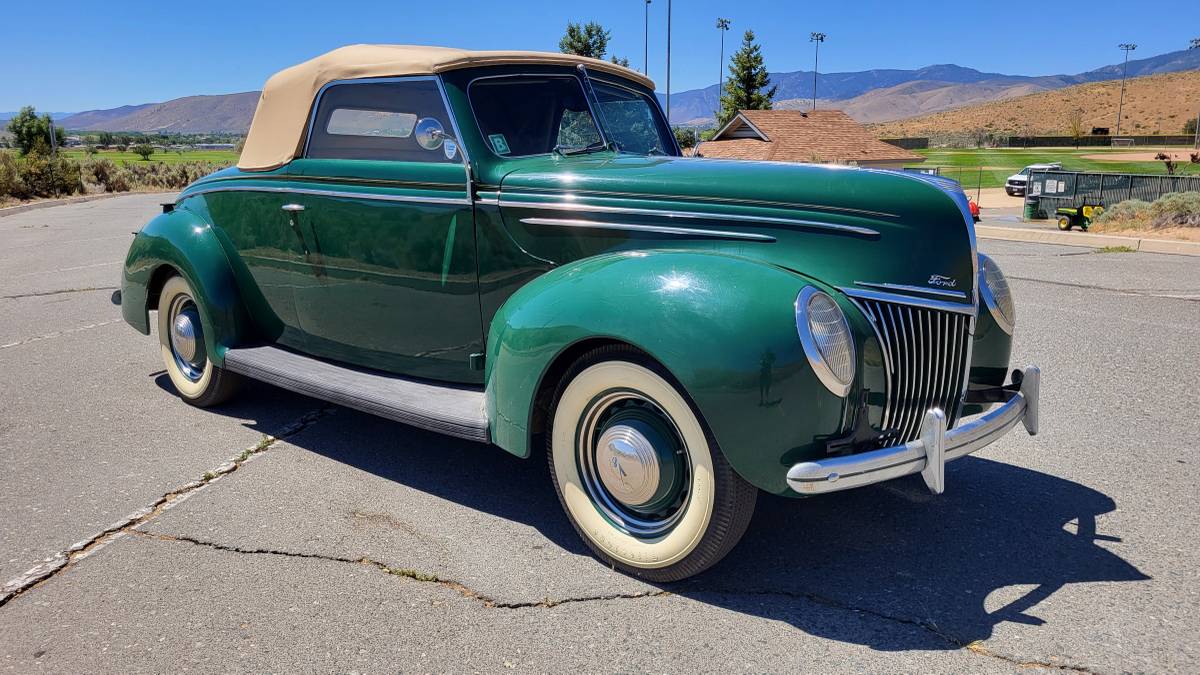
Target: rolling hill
[
  {"x": 1158, "y": 104},
  {"x": 882, "y": 95},
  {"x": 230, "y": 113}
]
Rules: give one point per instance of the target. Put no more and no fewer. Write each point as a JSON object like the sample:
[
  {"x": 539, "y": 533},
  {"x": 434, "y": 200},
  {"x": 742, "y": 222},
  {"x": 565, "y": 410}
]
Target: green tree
[
  {"x": 589, "y": 39},
  {"x": 685, "y": 137},
  {"x": 26, "y": 128},
  {"x": 746, "y": 86},
  {"x": 144, "y": 150},
  {"x": 1189, "y": 127},
  {"x": 623, "y": 61},
  {"x": 106, "y": 138}
]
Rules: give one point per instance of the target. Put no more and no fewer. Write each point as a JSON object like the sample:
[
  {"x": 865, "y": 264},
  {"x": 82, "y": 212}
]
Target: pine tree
[{"x": 746, "y": 86}]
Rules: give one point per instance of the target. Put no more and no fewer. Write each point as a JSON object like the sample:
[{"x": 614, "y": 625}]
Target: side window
[{"x": 375, "y": 120}]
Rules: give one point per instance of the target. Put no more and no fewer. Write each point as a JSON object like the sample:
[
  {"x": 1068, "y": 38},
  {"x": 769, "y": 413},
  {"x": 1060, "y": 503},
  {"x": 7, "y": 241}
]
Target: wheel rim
[
  {"x": 634, "y": 464},
  {"x": 187, "y": 337}
]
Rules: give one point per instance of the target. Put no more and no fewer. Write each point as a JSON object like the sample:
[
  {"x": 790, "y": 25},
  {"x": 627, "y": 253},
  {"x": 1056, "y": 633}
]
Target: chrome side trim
[
  {"x": 927, "y": 454},
  {"x": 687, "y": 215},
  {"x": 912, "y": 289},
  {"x": 656, "y": 229},
  {"x": 908, "y": 300},
  {"x": 374, "y": 196}
]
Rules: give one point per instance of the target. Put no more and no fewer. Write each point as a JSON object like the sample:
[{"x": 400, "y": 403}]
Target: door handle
[{"x": 292, "y": 210}]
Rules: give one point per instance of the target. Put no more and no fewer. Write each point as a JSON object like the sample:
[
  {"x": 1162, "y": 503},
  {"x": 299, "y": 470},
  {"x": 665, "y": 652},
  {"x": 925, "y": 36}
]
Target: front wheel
[
  {"x": 638, "y": 472},
  {"x": 181, "y": 336},
  {"x": 1064, "y": 223}
]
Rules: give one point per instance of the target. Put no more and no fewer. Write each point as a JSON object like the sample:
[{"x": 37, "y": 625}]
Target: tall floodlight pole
[
  {"x": 816, "y": 38},
  {"x": 1127, "y": 47},
  {"x": 668, "y": 62},
  {"x": 646, "y": 42},
  {"x": 723, "y": 27}
]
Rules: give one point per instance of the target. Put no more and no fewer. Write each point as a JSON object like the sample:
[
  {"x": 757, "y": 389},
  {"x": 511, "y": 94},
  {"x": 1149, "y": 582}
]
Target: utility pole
[
  {"x": 723, "y": 27},
  {"x": 646, "y": 42},
  {"x": 1127, "y": 47},
  {"x": 1197, "y": 141},
  {"x": 668, "y": 62},
  {"x": 816, "y": 38}
]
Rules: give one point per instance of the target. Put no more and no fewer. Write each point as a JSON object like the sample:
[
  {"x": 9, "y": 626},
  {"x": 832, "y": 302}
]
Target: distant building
[{"x": 819, "y": 136}]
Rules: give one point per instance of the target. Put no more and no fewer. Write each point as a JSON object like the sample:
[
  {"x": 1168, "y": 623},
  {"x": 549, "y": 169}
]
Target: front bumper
[{"x": 926, "y": 455}]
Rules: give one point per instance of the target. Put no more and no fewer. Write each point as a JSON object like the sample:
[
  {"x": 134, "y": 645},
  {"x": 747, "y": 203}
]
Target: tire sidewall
[
  {"x": 192, "y": 390},
  {"x": 665, "y": 550}
]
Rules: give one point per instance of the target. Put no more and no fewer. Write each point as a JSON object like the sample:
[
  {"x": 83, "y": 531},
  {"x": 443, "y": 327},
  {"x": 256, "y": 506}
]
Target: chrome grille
[{"x": 925, "y": 352}]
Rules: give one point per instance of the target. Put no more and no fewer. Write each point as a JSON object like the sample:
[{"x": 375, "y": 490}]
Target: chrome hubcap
[
  {"x": 627, "y": 464},
  {"x": 634, "y": 464},
  {"x": 187, "y": 337}
]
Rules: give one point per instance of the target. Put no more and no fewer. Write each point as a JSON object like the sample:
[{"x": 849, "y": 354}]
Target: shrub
[
  {"x": 44, "y": 176},
  {"x": 1133, "y": 209},
  {"x": 12, "y": 185},
  {"x": 1178, "y": 209}
]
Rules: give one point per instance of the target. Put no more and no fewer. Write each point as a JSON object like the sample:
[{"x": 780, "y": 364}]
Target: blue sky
[{"x": 138, "y": 51}]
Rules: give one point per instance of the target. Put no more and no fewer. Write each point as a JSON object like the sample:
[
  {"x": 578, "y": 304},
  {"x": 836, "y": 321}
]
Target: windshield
[{"x": 523, "y": 115}]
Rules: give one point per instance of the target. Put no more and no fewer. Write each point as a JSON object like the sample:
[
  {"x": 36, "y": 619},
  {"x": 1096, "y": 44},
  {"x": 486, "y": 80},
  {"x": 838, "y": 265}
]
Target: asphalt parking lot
[{"x": 280, "y": 533}]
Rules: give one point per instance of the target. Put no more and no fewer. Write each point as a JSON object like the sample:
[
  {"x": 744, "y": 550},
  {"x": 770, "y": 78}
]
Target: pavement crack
[
  {"x": 405, "y": 572},
  {"x": 58, "y": 333},
  {"x": 40, "y": 294},
  {"x": 1119, "y": 291},
  {"x": 975, "y": 647},
  {"x": 62, "y": 560}
]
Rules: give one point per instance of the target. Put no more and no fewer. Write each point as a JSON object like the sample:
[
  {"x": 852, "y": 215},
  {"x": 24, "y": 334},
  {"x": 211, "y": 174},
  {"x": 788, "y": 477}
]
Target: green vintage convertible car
[{"x": 508, "y": 247}]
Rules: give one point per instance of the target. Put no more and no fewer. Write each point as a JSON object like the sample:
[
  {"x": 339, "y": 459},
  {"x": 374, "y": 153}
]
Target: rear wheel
[
  {"x": 181, "y": 336},
  {"x": 638, "y": 472},
  {"x": 1064, "y": 223}
]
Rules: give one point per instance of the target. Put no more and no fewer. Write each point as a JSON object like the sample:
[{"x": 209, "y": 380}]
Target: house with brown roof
[{"x": 817, "y": 136}]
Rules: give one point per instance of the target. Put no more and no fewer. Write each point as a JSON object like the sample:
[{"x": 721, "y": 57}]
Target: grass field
[
  {"x": 170, "y": 156},
  {"x": 1000, "y": 163}
]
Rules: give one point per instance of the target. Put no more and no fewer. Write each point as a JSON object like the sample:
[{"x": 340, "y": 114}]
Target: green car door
[{"x": 391, "y": 234}]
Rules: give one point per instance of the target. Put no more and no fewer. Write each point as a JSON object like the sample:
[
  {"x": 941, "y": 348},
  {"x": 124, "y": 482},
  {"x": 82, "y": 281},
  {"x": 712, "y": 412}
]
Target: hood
[{"x": 840, "y": 225}]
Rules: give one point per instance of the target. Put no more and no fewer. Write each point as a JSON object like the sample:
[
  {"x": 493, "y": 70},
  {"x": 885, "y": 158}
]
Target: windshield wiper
[{"x": 580, "y": 150}]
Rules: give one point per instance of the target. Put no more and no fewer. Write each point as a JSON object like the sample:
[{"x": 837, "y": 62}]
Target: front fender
[
  {"x": 185, "y": 242},
  {"x": 724, "y": 326}
]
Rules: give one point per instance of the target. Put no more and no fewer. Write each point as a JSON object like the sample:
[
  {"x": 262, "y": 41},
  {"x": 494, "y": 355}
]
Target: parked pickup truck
[{"x": 1016, "y": 183}]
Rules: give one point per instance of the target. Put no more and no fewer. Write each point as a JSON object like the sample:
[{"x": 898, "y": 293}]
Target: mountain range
[
  {"x": 884, "y": 95},
  {"x": 868, "y": 96}
]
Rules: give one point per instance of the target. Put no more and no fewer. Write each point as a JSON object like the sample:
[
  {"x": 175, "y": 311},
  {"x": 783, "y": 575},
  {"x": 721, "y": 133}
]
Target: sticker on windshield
[
  {"x": 499, "y": 144},
  {"x": 450, "y": 148}
]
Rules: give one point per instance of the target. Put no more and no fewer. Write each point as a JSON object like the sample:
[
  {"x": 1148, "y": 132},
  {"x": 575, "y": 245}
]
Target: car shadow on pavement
[{"x": 999, "y": 541}]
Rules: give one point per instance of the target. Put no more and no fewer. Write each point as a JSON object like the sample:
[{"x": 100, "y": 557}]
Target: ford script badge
[{"x": 943, "y": 281}]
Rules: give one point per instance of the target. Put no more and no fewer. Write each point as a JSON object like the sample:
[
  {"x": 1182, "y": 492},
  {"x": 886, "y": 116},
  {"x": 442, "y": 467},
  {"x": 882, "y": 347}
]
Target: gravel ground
[{"x": 345, "y": 542}]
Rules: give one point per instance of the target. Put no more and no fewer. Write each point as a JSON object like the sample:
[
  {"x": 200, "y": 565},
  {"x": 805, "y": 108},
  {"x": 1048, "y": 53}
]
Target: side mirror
[{"x": 431, "y": 135}]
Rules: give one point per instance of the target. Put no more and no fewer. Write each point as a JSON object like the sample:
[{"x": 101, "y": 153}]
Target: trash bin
[{"x": 1032, "y": 212}]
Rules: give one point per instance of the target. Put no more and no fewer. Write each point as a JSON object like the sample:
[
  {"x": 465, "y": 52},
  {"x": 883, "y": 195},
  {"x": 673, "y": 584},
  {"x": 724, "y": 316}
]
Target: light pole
[
  {"x": 723, "y": 27},
  {"x": 1127, "y": 47},
  {"x": 668, "y": 62},
  {"x": 817, "y": 38},
  {"x": 646, "y": 42}
]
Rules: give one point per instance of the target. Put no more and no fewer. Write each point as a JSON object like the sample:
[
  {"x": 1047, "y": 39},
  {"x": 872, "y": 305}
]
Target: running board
[{"x": 447, "y": 409}]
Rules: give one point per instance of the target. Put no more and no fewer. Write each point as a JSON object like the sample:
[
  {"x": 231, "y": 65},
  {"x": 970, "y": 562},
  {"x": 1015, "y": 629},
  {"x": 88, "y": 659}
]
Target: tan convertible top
[{"x": 277, "y": 132}]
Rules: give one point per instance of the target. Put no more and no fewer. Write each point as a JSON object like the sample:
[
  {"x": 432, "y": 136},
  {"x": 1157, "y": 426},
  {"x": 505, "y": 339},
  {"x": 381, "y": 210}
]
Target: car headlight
[
  {"x": 996, "y": 294},
  {"x": 826, "y": 339}
]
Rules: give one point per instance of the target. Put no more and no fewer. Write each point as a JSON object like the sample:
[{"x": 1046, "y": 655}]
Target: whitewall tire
[
  {"x": 638, "y": 472},
  {"x": 181, "y": 337}
]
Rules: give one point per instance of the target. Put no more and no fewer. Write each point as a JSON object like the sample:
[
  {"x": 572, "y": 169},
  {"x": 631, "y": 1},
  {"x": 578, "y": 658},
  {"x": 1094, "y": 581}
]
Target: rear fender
[{"x": 184, "y": 243}]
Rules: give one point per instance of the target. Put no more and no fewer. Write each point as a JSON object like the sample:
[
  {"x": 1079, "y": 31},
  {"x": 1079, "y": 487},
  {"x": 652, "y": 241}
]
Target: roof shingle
[{"x": 794, "y": 136}]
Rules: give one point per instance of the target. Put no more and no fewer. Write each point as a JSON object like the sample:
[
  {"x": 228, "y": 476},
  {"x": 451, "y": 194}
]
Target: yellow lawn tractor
[{"x": 1080, "y": 217}]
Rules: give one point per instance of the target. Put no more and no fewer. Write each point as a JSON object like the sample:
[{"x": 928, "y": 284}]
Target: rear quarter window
[{"x": 375, "y": 120}]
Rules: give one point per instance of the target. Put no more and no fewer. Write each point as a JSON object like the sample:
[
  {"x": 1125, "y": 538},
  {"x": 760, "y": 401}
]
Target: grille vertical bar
[{"x": 926, "y": 353}]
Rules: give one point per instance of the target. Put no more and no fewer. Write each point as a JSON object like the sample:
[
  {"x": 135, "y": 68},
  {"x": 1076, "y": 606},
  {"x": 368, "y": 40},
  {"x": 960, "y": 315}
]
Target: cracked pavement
[{"x": 281, "y": 533}]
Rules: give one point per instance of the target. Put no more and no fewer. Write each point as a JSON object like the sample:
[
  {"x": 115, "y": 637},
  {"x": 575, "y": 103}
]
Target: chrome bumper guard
[{"x": 928, "y": 454}]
